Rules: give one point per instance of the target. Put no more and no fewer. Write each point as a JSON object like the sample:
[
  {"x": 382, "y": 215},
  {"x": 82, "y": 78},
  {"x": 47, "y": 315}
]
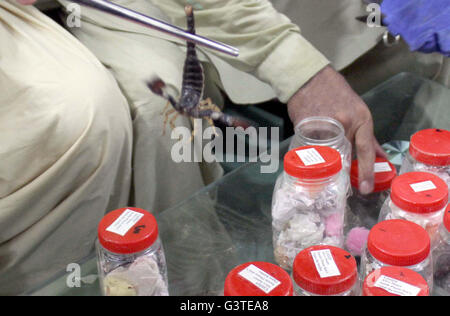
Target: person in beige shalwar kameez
[{"x": 79, "y": 128}]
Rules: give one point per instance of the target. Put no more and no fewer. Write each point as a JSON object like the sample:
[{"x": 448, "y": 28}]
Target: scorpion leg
[
  {"x": 166, "y": 118},
  {"x": 171, "y": 122},
  {"x": 193, "y": 120},
  {"x": 211, "y": 123},
  {"x": 208, "y": 105},
  {"x": 165, "y": 107}
]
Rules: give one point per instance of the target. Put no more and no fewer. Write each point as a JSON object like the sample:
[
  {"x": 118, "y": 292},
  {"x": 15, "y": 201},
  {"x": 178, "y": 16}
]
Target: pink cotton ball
[
  {"x": 333, "y": 225},
  {"x": 356, "y": 240}
]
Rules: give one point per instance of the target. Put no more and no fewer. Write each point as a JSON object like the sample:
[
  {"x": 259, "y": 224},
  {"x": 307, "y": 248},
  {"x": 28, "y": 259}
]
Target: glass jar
[
  {"x": 395, "y": 281},
  {"x": 323, "y": 131},
  {"x": 258, "y": 279},
  {"x": 308, "y": 202},
  {"x": 325, "y": 271},
  {"x": 364, "y": 210},
  {"x": 130, "y": 256},
  {"x": 400, "y": 243},
  {"x": 419, "y": 197},
  {"x": 441, "y": 257},
  {"x": 429, "y": 151}
]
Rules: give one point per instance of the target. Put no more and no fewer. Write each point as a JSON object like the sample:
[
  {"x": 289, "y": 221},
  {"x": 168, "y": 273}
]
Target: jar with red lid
[
  {"x": 308, "y": 202},
  {"x": 365, "y": 208},
  {"x": 258, "y": 279},
  {"x": 441, "y": 257},
  {"x": 130, "y": 256},
  {"x": 323, "y": 131},
  {"x": 395, "y": 281},
  {"x": 419, "y": 197},
  {"x": 429, "y": 151},
  {"x": 325, "y": 271},
  {"x": 400, "y": 243}
]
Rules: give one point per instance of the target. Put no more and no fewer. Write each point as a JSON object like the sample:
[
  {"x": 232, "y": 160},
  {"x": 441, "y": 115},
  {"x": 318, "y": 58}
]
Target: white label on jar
[
  {"x": 310, "y": 156},
  {"x": 124, "y": 222},
  {"x": 423, "y": 186},
  {"x": 325, "y": 264},
  {"x": 396, "y": 286},
  {"x": 381, "y": 167},
  {"x": 259, "y": 278}
]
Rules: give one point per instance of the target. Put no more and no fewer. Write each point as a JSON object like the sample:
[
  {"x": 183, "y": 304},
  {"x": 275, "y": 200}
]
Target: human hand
[
  {"x": 328, "y": 94},
  {"x": 423, "y": 24},
  {"x": 26, "y": 2}
]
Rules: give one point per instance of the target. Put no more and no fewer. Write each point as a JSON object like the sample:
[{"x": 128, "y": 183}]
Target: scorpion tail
[{"x": 190, "y": 18}]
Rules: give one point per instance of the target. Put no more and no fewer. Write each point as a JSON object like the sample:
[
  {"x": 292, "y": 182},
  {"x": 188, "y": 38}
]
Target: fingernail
[{"x": 365, "y": 187}]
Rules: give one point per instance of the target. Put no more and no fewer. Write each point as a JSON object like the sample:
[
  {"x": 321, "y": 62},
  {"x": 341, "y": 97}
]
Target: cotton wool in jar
[
  {"x": 419, "y": 197},
  {"x": 429, "y": 151},
  {"x": 441, "y": 257},
  {"x": 323, "y": 131},
  {"x": 130, "y": 255},
  {"x": 395, "y": 281},
  {"x": 308, "y": 202},
  {"x": 325, "y": 271},
  {"x": 364, "y": 209},
  {"x": 258, "y": 279},
  {"x": 400, "y": 243}
]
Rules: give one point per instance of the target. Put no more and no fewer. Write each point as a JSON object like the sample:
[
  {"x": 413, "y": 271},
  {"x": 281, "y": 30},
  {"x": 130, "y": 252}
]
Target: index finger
[{"x": 365, "y": 152}]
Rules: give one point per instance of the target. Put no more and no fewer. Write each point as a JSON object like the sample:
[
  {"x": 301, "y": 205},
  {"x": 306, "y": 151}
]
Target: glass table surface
[{"x": 229, "y": 222}]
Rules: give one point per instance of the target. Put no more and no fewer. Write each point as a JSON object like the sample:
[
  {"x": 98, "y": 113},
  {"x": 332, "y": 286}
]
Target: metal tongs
[{"x": 139, "y": 18}]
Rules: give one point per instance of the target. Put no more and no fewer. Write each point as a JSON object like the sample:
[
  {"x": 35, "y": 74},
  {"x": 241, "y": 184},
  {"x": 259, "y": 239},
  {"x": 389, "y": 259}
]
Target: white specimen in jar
[
  {"x": 140, "y": 278},
  {"x": 442, "y": 172},
  {"x": 429, "y": 221},
  {"x": 307, "y": 215}
]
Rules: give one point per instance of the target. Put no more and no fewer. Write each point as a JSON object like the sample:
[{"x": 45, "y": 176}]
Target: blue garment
[{"x": 423, "y": 24}]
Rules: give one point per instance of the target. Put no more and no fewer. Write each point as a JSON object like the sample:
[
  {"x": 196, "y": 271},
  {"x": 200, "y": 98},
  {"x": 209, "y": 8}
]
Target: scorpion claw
[
  {"x": 156, "y": 85},
  {"x": 237, "y": 122}
]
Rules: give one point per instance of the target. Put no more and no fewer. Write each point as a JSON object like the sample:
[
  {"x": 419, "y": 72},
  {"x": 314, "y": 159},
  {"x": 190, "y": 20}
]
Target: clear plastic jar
[
  {"x": 398, "y": 243},
  {"x": 419, "y": 197},
  {"x": 130, "y": 256},
  {"x": 429, "y": 151},
  {"x": 441, "y": 257},
  {"x": 323, "y": 131},
  {"x": 309, "y": 202},
  {"x": 395, "y": 281},
  {"x": 258, "y": 279},
  {"x": 325, "y": 271},
  {"x": 364, "y": 210}
]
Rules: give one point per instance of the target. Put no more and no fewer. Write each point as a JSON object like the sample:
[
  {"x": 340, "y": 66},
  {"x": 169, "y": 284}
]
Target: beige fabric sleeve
[
  {"x": 65, "y": 147},
  {"x": 271, "y": 46}
]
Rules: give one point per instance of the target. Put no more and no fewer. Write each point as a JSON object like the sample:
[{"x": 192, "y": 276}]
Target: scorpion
[{"x": 191, "y": 102}]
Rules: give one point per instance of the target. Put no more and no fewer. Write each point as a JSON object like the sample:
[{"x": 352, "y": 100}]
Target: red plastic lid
[
  {"x": 325, "y": 270},
  {"x": 382, "y": 179},
  {"x": 395, "y": 281},
  {"x": 419, "y": 192},
  {"x": 431, "y": 146},
  {"x": 398, "y": 242},
  {"x": 317, "y": 162},
  {"x": 447, "y": 218},
  {"x": 258, "y": 279},
  {"x": 127, "y": 230}
]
